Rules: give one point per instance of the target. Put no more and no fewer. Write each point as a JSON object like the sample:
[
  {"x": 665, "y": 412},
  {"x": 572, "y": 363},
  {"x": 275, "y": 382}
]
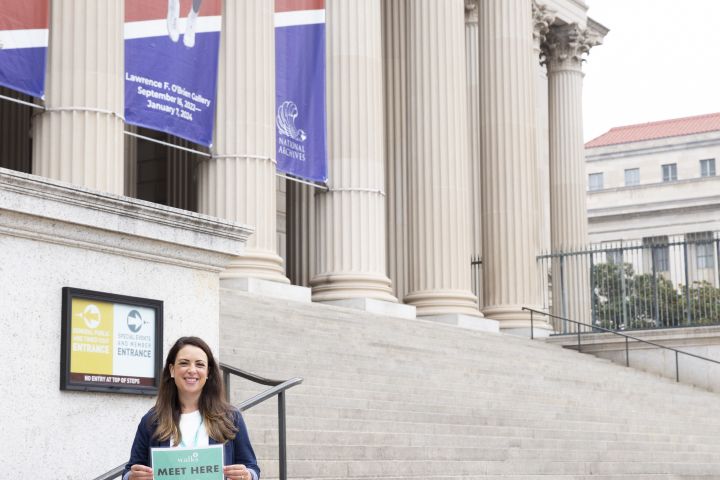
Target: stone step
[{"x": 387, "y": 398}]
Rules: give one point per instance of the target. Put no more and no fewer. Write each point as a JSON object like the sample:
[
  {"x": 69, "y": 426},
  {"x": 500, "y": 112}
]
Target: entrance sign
[
  {"x": 110, "y": 343},
  {"x": 171, "y": 65},
  {"x": 205, "y": 463},
  {"x": 23, "y": 45},
  {"x": 300, "y": 117}
]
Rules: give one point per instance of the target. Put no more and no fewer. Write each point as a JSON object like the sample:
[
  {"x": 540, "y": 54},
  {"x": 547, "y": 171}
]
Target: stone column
[
  {"x": 15, "y": 132},
  {"x": 564, "y": 48},
  {"x": 472, "y": 59},
  {"x": 131, "y": 163},
  {"x": 79, "y": 137},
  {"x": 542, "y": 19},
  {"x": 300, "y": 233},
  {"x": 438, "y": 170},
  {"x": 509, "y": 162},
  {"x": 395, "y": 73},
  {"x": 181, "y": 175},
  {"x": 238, "y": 183},
  {"x": 350, "y": 216}
]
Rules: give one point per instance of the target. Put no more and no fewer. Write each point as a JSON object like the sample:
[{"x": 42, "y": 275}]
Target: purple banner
[
  {"x": 23, "y": 45},
  {"x": 171, "y": 64},
  {"x": 300, "y": 88}
]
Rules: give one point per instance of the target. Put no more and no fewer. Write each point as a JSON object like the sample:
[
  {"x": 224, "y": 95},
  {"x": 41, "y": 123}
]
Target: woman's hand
[
  {"x": 140, "y": 472},
  {"x": 237, "y": 472}
]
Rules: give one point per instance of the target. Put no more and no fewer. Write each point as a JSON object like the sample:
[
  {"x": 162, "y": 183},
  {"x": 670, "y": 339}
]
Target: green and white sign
[{"x": 204, "y": 463}]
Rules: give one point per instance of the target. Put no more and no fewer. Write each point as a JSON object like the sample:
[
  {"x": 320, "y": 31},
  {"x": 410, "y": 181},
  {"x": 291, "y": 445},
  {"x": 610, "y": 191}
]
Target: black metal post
[
  {"x": 579, "y": 346},
  {"x": 532, "y": 326},
  {"x": 593, "y": 307},
  {"x": 687, "y": 285},
  {"x": 627, "y": 352},
  {"x": 282, "y": 436},
  {"x": 677, "y": 367},
  {"x": 656, "y": 299}
]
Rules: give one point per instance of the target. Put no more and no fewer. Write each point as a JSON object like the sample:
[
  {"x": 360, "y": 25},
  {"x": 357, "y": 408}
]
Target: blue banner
[
  {"x": 300, "y": 89},
  {"x": 171, "y": 64},
  {"x": 23, "y": 45}
]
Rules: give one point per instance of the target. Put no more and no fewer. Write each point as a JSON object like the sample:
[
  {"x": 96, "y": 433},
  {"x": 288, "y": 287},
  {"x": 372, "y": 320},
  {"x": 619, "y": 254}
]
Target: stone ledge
[
  {"x": 379, "y": 307},
  {"x": 46, "y": 210},
  {"x": 466, "y": 321},
  {"x": 267, "y": 288}
]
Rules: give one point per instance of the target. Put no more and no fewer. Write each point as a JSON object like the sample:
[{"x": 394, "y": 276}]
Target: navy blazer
[{"x": 237, "y": 451}]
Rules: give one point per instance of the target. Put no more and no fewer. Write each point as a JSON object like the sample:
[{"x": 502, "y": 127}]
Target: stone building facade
[{"x": 450, "y": 125}]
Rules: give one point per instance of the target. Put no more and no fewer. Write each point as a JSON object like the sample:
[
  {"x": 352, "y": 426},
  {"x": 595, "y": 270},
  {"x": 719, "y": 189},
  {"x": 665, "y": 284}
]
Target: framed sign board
[{"x": 110, "y": 343}]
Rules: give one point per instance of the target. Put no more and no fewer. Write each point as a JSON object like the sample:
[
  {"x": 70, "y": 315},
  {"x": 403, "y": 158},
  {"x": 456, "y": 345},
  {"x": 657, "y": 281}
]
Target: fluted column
[
  {"x": 543, "y": 18},
  {"x": 15, "y": 132},
  {"x": 300, "y": 233},
  {"x": 131, "y": 163},
  {"x": 79, "y": 137},
  {"x": 564, "y": 48},
  {"x": 350, "y": 217},
  {"x": 395, "y": 77},
  {"x": 508, "y": 146},
  {"x": 181, "y": 176},
  {"x": 439, "y": 200},
  {"x": 238, "y": 183},
  {"x": 472, "y": 59}
]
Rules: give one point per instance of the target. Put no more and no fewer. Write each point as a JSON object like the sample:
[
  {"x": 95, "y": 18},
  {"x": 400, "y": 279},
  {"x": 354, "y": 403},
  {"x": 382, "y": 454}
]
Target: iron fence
[{"x": 658, "y": 282}]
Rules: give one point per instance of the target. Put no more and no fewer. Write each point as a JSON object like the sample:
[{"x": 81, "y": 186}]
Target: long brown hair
[{"x": 216, "y": 412}]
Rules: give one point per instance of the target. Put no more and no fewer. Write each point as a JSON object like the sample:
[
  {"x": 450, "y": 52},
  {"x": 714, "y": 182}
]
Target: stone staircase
[{"x": 397, "y": 399}]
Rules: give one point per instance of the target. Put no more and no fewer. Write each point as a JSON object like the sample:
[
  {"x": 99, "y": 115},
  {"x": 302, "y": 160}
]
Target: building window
[
  {"x": 705, "y": 255},
  {"x": 703, "y": 243},
  {"x": 595, "y": 181},
  {"x": 615, "y": 257},
  {"x": 632, "y": 177},
  {"x": 659, "y": 251},
  {"x": 669, "y": 172},
  {"x": 707, "y": 167}
]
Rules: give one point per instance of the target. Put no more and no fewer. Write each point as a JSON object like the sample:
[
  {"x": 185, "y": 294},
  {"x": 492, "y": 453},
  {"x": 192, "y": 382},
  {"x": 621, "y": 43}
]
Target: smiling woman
[{"x": 191, "y": 412}]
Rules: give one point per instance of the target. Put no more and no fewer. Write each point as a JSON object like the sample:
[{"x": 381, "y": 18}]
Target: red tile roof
[{"x": 662, "y": 129}]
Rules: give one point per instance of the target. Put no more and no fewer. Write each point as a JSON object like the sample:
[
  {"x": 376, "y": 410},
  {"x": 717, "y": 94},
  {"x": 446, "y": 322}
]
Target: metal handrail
[
  {"x": 627, "y": 339},
  {"x": 278, "y": 388}
]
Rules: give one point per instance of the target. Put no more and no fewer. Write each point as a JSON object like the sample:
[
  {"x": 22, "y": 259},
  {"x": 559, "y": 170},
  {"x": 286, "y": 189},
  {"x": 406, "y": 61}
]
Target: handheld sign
[{"x": 203, "y": 463}]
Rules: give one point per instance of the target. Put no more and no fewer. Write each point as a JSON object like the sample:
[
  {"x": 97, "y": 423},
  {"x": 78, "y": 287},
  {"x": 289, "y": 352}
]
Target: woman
[{"x": 191, "y": 411}]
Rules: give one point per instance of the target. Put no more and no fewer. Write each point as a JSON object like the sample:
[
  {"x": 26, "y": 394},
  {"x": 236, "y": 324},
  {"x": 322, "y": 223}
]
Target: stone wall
[{"x": 54, "y": 235}]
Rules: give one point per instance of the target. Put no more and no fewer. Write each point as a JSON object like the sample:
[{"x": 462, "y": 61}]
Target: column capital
[
  {"x": 471, "y": 11},
  {"x": 565, "y": 45},
  {"x": 543, "y": 18}
]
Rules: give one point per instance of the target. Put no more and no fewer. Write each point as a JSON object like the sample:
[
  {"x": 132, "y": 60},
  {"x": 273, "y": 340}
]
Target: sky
[{"x": 661, "y": 60}]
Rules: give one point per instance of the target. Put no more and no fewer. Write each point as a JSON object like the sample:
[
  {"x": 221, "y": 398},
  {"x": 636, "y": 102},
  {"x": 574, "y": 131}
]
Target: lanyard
[{"x": 197, "y": 433}]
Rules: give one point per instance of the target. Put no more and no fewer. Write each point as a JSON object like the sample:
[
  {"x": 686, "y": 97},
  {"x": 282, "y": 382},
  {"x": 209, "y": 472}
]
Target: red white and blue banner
[
  {"x": 171, "y": 65},
  {"x": 300, "y": 88},
  {"x": 23, "y": 45}
]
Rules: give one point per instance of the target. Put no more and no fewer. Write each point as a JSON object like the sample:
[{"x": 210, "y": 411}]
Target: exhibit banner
[
  {"x": 171, "y": 65},
  {"x": 110, "y": 343},
  {"x": 300, "y": 88},
  {"x": 203, "y": 463},
  {"x": 23, "y": 45}
]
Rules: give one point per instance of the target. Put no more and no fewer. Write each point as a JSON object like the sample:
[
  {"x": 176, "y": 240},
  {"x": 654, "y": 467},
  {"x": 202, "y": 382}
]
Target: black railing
[
  {"x": 278, "y": 388},
  {"x": 658, "y": 282},
  {"x": 594, "y": 329}
]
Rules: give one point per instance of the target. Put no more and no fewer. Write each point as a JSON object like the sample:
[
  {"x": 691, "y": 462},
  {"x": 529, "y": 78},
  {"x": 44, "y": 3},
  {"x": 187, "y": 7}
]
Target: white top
[{"x": 192, "y": 430}]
